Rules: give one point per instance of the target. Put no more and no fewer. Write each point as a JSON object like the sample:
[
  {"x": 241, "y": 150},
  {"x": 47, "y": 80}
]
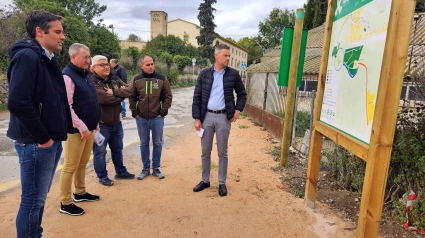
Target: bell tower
[{"x": 159, "y": 21}]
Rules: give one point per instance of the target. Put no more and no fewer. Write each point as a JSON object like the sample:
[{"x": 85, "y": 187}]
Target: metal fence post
[
  {"x": 265, "y": 92},
  {"x": 294, "y": 118}
]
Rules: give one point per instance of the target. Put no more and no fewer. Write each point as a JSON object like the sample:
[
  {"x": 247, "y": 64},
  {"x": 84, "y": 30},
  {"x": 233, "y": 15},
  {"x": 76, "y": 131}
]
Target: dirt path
[{"x": 256, "y": 205}]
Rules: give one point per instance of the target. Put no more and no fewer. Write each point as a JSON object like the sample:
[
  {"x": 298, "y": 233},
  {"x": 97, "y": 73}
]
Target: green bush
[
  {"x": 302, "y": 123},
  {"x": 346, "y": 168},
  {"x": 182, "y": 61},
  {"x": 407, "y": 166}
]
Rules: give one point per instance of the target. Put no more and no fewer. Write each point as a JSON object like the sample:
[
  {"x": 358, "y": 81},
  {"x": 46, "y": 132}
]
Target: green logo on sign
[{"x": 345, "y": 7}]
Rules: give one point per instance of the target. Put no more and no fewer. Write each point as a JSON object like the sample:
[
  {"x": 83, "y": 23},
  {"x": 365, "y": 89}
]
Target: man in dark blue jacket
[
  {"x": 39, "y": 114},
  {"x": 119, "y": 71},
  {"x": 213, "y": 109}
]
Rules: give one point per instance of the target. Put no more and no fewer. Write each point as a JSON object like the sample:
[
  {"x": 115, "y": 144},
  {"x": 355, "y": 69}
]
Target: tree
[
  {"x": 104, "y": 42},
  {"x": 309, "y": 14},
  {"x": 74, "y": 27},
  {"x": 255, "y": 51},
  {"x": 86, "y": 9},
  {"x": 207, "y": 33},
  {"x": 181, "y": 61},
  {"x": 133, "y": 37},
  {"x": 134, "y": 54},
  {"x": 271, "y": 28},
  {"x": 320, "y": 9},
  {"x": 167, "y": 59},
  {"x": 170, "y": 44},
  {"x": 231, "y": 40}
]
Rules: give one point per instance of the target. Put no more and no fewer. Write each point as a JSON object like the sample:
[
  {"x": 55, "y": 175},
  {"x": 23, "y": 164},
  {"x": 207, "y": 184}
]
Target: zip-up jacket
[
  {"x": 231, "y": 82},
  {"x": 151, "y": 96},
  {"x": 110, "y": 104},
  {"x": 37, "y": 101}
]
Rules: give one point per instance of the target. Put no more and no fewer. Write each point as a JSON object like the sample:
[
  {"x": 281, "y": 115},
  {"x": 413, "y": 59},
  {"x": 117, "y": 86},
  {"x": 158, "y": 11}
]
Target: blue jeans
[
  {"x": 123, "y": 112},
  {"x": 38, "y": 166},
  {"x": 113, "y": 136},
  {"x": 144, "y": 127}
]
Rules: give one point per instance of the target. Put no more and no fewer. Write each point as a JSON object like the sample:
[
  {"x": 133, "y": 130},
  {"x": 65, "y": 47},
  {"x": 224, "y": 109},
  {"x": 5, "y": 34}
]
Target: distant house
[
  {"x": 188, "y": 32},
  {"x": 126, "y": 44}
]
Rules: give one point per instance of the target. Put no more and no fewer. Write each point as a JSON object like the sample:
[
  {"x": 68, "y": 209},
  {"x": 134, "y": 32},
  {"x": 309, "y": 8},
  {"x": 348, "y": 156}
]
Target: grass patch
[
  {"x": 299, "y": 193},
  {"x": 213, "y": 166},
  {"x": 243, "y": 115},
  {"x": 3, "y": 107},
  {"x": 275, "y": 152},
  {"x": 243, "y": 127}
]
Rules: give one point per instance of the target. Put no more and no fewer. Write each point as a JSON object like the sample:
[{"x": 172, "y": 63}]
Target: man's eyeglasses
[
  {"x": 149, "y": 64},
  {"x": 103, "y": 65},
  {"x": 85, "y": 57}
]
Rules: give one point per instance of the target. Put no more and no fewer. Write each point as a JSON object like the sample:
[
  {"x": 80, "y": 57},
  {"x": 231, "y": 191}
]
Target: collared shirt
[
  {"x": 50, "y": 56},
  {"x": 216, "y": 101},
  {"x": 70, "y": 89}
]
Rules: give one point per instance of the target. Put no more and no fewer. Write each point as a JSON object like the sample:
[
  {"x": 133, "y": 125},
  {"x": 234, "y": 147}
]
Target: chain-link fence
[{"x": 266, "y": 95}]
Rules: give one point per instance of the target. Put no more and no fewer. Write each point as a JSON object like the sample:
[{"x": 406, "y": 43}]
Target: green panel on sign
[
  {"x": 302, "y": 57},
  {"x": 285, "y": 56},
  {"x": 345, "y": 7}
]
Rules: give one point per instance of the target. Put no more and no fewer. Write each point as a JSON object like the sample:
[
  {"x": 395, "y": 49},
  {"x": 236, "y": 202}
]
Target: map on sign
[{"x": 354, "y": 65}]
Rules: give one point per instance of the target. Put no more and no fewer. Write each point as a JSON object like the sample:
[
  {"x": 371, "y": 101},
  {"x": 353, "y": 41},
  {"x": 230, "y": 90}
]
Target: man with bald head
[{"x": 149, "y": 104}]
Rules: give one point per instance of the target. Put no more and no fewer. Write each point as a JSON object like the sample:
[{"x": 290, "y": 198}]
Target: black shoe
[
  {"x": 201, "y": 186},
  {"x": 85, "y": 197},
  {"x": 222, "y": 190},
  {"x": 125, "y": 175},
  {"x": 71, "y": 209}
]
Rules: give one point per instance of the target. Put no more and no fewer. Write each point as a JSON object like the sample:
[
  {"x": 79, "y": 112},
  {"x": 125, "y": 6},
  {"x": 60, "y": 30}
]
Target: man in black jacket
[
  {"x": 39, "y": 114},
  {"x": 119, "y": 71},
  {"x": 214, "y": 109}
]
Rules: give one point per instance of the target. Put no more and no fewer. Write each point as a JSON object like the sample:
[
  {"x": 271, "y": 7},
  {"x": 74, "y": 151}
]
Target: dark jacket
[
  {"x": 85, "y": 103},
  {"x": 231, "y": 81},
  {"x": 110, "y": 104},
  {"x": 37, "y": 101},
  {"x": 119, "y": 71},
  {"x": 151, "y": 95}
]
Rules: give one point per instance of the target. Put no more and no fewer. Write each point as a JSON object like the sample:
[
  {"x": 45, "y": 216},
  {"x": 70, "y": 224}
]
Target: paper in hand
[
  {"x": 201, "y": 132},
  {"x": 98, "y": 138}
]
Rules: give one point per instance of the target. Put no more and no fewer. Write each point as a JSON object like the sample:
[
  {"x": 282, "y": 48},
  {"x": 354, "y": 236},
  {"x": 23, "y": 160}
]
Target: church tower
[{"x": 159, "y": 21}]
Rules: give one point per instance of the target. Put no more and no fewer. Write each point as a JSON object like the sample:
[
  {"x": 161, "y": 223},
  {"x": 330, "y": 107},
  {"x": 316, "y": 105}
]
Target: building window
[
  {"x": 231, "y": 64},
  {"x": 232, "y": 50},
  {"x": 186, "y": 38}
]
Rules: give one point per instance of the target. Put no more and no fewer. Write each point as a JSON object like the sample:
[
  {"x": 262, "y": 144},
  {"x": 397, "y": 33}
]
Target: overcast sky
[{"x": 234, "y": 18}]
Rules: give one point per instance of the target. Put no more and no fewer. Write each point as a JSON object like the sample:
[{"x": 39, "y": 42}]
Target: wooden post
[
  {"x": 316, "y": 138},
  {"x": 292, "y": 84},
  {"x": 392, "y": 72}
]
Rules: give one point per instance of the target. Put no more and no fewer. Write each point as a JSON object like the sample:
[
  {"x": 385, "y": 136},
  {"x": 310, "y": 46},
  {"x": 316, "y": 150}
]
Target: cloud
[{"x": 236, "y": 18}]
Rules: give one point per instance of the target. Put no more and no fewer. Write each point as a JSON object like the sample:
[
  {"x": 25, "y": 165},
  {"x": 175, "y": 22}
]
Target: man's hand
[
  {"x": 97, "y": 128},
  {"x": 122, "y": 86},
  {"x": 197, "y": 125},
  {"x": 47, "y": 144},
  {"x": 85, "y": 135},
  {"x": 137, "y": 116},
  {"x": 237, "y": 113},
  {"x": 159, "y": 116},
  {"x": 109, "y": 91}
]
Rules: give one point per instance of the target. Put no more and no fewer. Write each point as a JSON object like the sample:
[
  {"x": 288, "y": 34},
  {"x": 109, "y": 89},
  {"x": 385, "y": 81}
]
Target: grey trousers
[{"x": 218, "y": 124}]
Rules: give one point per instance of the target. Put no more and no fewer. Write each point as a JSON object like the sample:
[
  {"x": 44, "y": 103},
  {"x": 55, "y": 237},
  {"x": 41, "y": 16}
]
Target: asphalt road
[{"x": 179, "y": 115}]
